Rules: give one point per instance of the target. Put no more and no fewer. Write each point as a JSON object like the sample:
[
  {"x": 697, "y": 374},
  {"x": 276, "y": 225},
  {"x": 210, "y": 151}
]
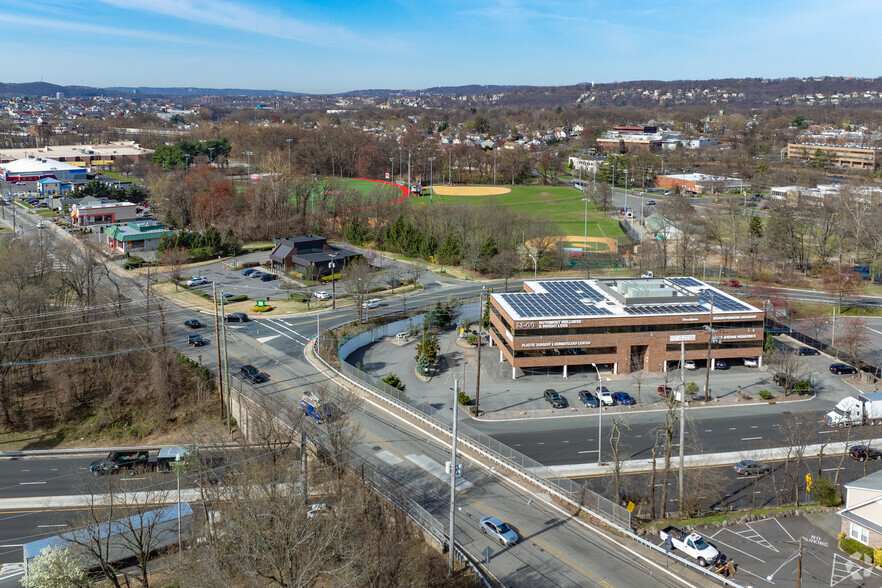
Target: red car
[
  {"x": 665, "y": 391},
  {"x": 732, "y": 283}
]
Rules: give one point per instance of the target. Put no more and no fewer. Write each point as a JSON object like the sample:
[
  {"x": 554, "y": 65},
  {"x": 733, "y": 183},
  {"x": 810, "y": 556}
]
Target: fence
[{"x": 771, "y": 325}]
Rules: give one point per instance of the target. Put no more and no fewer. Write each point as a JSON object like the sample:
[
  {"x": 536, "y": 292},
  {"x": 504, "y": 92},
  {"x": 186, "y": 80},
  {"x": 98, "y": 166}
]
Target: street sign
[{"x": 808, "y": 482}]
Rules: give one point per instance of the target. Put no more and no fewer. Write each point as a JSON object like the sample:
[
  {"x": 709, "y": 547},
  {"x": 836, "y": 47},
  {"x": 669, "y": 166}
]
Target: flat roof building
[
  {"x": 108, "y": 213},
  {"x": 700, "y": 183},
  {"x": 34, "y": 169},
  {"x": 848, "y": 155},
  {"x": 628, "y": 324},
  {"x": 81, "y": 155}
]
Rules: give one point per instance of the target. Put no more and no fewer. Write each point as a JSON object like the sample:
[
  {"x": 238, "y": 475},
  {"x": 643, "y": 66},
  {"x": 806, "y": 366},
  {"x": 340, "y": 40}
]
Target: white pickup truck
[{"x": 692, "y": 544}]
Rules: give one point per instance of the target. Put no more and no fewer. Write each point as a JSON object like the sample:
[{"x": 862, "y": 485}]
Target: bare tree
[
  {"x": 615, "y": 443},
  {"x": 174, "y": 259},
  {"x": 359, "y": 281}
]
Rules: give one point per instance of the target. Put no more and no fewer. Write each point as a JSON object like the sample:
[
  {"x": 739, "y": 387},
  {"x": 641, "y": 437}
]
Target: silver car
[{"x": 499, "y": 530}]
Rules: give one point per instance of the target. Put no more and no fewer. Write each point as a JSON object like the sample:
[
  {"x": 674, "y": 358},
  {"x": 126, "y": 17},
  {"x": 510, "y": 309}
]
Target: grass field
[{"x": 561, "y": 205}]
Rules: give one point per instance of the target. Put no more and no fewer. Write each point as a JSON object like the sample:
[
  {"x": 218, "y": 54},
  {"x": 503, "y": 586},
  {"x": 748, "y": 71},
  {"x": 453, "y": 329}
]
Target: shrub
[
  {"x": 850, "y": 546},
  {"x": 802, "y": 387},
  {"x": 392, "y": 380},
  {"x": 825, "y": 491},
  {"x": 464, "y": 399},
  {"x": 877, "y": 557},
  {"x": 266, "y": 308},
  {"x": 239, "y": 298},
  {"x": 422, "y": 364},
  {"x": 765, "y": 394},
  {"x": 691, "y": 389},
  {"x": 472, "y": 339}
]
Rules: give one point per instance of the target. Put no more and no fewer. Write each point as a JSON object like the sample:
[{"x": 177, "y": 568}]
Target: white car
[
  {"x": 321, "y": 295},
  {"x": 690, "y": 365},
  {"x": 751, "y": 362},
  {"x": 372, "y": 303},
  {"x": 196, "y": 281},
  {"x": 499, "y": 530},
  {"x": 606, "y": 398}
]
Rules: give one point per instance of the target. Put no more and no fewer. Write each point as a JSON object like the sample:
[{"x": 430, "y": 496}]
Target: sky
[{"x": 329, "y": 46}]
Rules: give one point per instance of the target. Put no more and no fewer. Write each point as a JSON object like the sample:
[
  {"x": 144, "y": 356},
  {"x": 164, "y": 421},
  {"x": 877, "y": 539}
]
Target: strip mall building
[{"x": 625, "y": 325}]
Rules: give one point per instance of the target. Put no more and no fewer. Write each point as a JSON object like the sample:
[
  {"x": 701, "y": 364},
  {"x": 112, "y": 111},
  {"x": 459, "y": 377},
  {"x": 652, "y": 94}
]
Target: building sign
[
  {"x": 730, "y": 317},
  {"x": 554, "y": 344},
  {"x": 682, "y": 337},
  {"x": 547, "y": 324},
  {"x": 261, "y": 303},
  {"x": 741, "y": 336},
  {"x": 691, "y": 319}
]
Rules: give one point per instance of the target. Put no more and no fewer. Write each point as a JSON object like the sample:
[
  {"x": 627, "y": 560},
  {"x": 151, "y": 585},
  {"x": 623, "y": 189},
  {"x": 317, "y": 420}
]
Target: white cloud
[
  {"x": 241, "y": 17},
  {"x": 72, "y": 26}
]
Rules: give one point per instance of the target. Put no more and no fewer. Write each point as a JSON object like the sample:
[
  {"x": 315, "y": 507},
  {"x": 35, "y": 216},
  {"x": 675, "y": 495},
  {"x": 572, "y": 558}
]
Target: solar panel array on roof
[
  {"x": 672, "y": 309},
  {"x": 530, "y": 305},
  {"x": 687, "y": 282},
  {"x": 721, "y": 301},
  {"x": 572, "y": 289}
]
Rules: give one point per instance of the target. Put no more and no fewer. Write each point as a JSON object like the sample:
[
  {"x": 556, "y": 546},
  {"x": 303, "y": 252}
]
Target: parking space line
[
  {"x": 738, "y": 550},
  {"x": 751, "y": 438},
  {"x": 785, "y": 530}
]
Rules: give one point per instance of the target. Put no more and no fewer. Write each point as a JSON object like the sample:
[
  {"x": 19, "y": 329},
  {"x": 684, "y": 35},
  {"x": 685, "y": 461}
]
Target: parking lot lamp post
[
  {"x": 333, "y": 265},
  {"x": 431, "y": 178},
  {"x": 599, "y": 414},
  {"x": 495, "y": 147},
  {"x": 626, "y": 191},
  {"x": 535, "y": 265},
  {"x": 585, "y": 251}
]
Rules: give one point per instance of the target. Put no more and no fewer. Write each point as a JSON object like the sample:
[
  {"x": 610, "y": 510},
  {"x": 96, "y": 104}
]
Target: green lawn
[{"x": 561, "y": 205}]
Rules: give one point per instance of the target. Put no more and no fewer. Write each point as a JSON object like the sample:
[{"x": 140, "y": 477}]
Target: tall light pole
[
  {"x": 399, "y": 162},
  {"x": 248, "y": 153},
  {"x": 392, "y": 170},
  {"x": 495, "y": 147},
  {"x": 289, "y": 141},
  {"x": 535, "y": 265},
  {"x": 186, "y": 161},
  {"x": 710, "y": 342},
  {"x": 431, "y": 178},
  {"x": 210, "y": 155},
  {"x": 480, "y": 341},
  {"x": 408, "y": 171},
  {"x": 450, "y": 169},
  {"x": 599, "y": 415},
  {"x": 585, "y": 251},
  {"x": 626, "y": 192},
  {"x": 453, "y": 474},
  {"x": 333, "y": 265}
]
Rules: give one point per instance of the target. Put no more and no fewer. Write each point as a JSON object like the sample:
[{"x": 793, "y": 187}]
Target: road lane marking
[
  {"x": 47, "y": 526},
  {"x": 830, "y": 470},
  {"x": 388, "y": 457},
  {"x": 30, "y": 483},
  {"x": 751, "y": 438},
  {"x": 266, "y": 339},
  {"x": 426, "y": 463},
  {"x": 731, "y": 428}
]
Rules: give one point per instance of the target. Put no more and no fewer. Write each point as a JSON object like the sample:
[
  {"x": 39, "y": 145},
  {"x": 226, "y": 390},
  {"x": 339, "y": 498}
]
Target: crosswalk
[{"x": 282, "y": 329}]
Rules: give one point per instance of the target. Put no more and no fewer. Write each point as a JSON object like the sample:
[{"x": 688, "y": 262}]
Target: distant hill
[
  {"x": 36, "y": 89},
  {"x": 444, "y": 90},
  {"x": 202, "y": 91}
]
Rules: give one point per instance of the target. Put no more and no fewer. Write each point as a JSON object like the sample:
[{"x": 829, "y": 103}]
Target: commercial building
[
  {"x": 310, "y": 254},
  {"x": 700, "y": 183},
  {"x": 141, "y": 235},
  {"x": 625, "y": 324},
  {"x": 847, "y": 156},
  {"x": 87, "y": 215},
  {"x": 80, "y": 155},
  {"x": 33, "y": 169}
]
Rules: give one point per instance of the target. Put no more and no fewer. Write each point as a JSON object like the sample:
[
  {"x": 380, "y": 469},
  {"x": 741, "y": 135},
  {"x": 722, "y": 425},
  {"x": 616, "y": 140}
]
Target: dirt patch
[
  {"x": 470, "y": 190},
  {"x": 598, "y": 244}
]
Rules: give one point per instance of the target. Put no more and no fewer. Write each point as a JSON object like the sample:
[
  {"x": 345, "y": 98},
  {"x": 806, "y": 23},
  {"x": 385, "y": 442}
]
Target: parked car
[
  {"x": 807, "y": 351},
  {"x": 690, "y": 365},
  {"x": 268, "y": 277},
  {"x": 499, "y": 530},
  {"x": 555, "y": 399},
  {"x": 321, "y": 295},
  {"x": 236, "y": 317},
  {"x": 372, "y": 303},
  {"x": 196, "y": 340},
  {"x": 650, "y": 203},
  {"x": 193, "y": 324},
  {"x": 607, "y": 399},
  {"x": 41, "y": 225},
  {"x": 601, "y": 390},
  {"x": 623, "y": 398},
  {"x": 864, "y": 452},
  {"x": 720, "y": 364},
  {"x": 731, "y": 283},
  {"x": 256, "y": 274},
  {"x": 749, "y": 467},
  {"x": 248, "y": 272},
  {"x": 252, "y": 374},
  {"x": 665, "y": 391},
  {"x": 589, "y": 399},
  {"x": 751, "y": 362},
  {"x": 196, "y": 281},
  {"x": 842, "y": 368}
]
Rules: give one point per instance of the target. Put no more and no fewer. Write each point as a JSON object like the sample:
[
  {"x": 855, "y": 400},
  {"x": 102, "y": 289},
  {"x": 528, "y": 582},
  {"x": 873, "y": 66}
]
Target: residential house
[
  {"x": 108, "y": 213},
  {"x": 862, "y": 515}
]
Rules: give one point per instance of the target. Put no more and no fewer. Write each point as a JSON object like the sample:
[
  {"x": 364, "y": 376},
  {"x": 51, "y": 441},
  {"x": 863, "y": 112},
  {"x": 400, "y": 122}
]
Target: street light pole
[
  {"x": 399, "y": 163},
  {"x": 535, "y": 265},
  {"x": 710, "y": 341},
  {"x": 626, "y": 193},
  {"x": 431, "y": 178},
  {"x": 453, "y": 475},
  {"x": 333, "y": 265},
  {"x": 599, "y": 415},
  {"x": 480, "y": 344},
  {"x": 585, "y": 251},
  {"x": 408, "y": 171},
  {"x": 248, "y": 153},
  {"x": 495, "y": 147}
]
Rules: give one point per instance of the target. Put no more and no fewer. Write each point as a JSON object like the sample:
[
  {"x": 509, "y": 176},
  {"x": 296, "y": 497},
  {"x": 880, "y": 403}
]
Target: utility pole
[
  {"x": 220, "y": 378},
  {"x": 682, "y": 415},
  {"x": 480, "y": 341},
  {"x": 453, "y": 475},
  {"x": 303, "y": 487},
  {"x": 710, "y": 341},
  {"x": 226, "y": 373},
  {"x": 408, "y": 171},
  {"x": 799, "y": 566}
]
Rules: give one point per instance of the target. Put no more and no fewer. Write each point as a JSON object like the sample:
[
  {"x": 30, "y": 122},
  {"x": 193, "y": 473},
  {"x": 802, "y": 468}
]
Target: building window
[{"x": 859, "y": 534}]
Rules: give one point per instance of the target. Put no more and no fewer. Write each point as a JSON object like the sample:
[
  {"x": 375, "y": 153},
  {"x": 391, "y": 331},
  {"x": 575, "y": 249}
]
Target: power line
[{"x": 121, "y": 352}]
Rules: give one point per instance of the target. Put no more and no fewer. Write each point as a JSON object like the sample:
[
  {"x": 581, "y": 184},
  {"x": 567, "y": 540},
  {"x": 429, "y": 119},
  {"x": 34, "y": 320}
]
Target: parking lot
[
  {"x": 233, "y": 282},
  {"x": 766, "y": 554}
]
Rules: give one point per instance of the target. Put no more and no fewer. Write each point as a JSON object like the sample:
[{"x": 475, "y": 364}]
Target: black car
[
  {"x": 720, "y": 364},
  {"x": 589, "y": 399},
  {"x": 268, "y": 277},
  {"x": 807, "y": 351},
  {"x": 555, "y": 399},
  {"x": 236, "y": 317},
  {"x": 193, "y": 324},
  {"x": 864, "y": 452},
  {"x": 252, "y": 374},
  {"x": 120, "y": 460},
  {"x": 196, "y": 340},
  {"x": 842, "y": 368}
]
